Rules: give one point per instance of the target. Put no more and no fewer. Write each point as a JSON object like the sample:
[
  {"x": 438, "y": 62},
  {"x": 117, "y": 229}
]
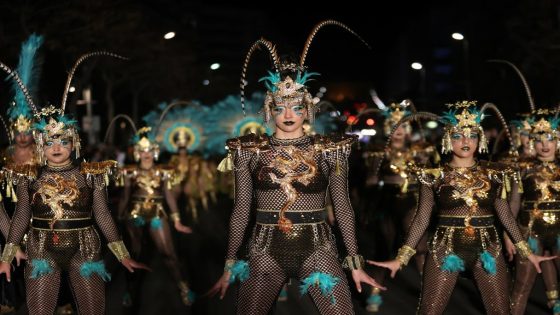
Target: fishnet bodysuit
[
  {"x": 162, "y": 238},
  {"x": 4, "y": 221},
  {"x": 437, "y": 285},
  {"x": 73, "y": 248},
  {"x": 545, "y": 228},
  {"x": 275, "y": 256}
]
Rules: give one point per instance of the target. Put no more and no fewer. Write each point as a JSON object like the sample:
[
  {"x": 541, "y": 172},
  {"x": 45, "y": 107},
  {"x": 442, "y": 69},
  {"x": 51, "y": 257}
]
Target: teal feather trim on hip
[
  {"x": 324, "y": 281},
  {"x": 88, "y": 268},
  {"x": 239, "y": 271},
  {"x": 41, "y": 267},
  {"x": 453, "y": 263},
  {"x": 155, "y": 224}
]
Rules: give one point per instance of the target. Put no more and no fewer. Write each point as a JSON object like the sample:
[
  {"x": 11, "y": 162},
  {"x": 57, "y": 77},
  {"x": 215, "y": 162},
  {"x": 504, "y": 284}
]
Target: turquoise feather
[
  {"x": 155, "y": 224},
  {"x": 453, "y": 263},
  {"x": 271, "y": 80},
  {"x": 374, "y": 299},
  {"x": 88, "y": 268},
  {"x": 305, "y": 78},
  {"x": 41, "y": 267},
  {"x": 138, "y": 221},
  {"x": 324, "y": 281},
  {"x": 534, "y": 244},
  {"x": 239, "y": 271},
  {"x": 29, "y": 70},
  {"x": 488, "y": 262},
  {"x": 556, "y": 308}
]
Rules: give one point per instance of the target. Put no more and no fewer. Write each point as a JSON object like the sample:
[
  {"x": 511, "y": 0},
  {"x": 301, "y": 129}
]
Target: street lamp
[
  {"x": 419, "y": 67},
  {"x": 169, "y": 35},
  {"x": 460, "y": 37}
]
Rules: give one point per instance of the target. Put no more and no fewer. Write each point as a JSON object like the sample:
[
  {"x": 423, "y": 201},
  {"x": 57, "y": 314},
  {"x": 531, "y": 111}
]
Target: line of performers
[{"x": 460, "y": 215}]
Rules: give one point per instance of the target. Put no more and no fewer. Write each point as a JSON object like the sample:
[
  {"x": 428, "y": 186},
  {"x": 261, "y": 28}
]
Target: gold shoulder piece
[
  {"x": 426, "y": 176},
  {"x": 96, "y": 168},
  {"x": 250, "y": 142},
  {"x": 25, "y": 170},
  {"x": 334, "y": 142}
]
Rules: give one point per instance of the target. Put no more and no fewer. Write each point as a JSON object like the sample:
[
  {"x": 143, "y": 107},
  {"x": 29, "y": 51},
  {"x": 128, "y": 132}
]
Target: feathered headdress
[
  {"x": 393, "y": 114},
  {"x": 286, "y": 83},
  {"x": 52, "y": 122},
  {"x": 144, "y": 141},
  {"x": 226, "y": 121},
  {"x": 544, "y": 126},
  {"x": 176, "y": 127},
  {"x": 29, "y": 68}
]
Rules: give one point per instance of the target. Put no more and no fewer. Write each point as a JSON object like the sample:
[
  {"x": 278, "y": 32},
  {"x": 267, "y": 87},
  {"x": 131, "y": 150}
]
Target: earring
[
  {"x": 446, "y": 143},
  {"x": 267, "y": 114},
  {"x": 483, "y": 144}
]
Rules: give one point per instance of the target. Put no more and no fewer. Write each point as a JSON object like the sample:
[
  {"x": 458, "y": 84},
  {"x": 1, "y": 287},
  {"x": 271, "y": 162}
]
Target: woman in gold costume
[
  {"x": 146, "y": 187},
  {"x": 283, "y": 180},
  {"x": 469, "y": 196},
  {"x": 63, "y": 201},
  {"x": 538, "y": 213}
]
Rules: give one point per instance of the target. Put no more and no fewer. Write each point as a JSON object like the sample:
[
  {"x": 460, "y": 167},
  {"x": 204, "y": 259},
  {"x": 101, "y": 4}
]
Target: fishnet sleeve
[
  {"x": 22, "y": 215},
  {"x": 515, "y": 199},
  {"x": 4, "y": 221},
  {"x": 243, "y": 192},
  {"x": 422, "y": 216},
  {"x": 508, "y": 221},
  {"x": 101, "y": 211},
  {"x": 338, "y": 189}
]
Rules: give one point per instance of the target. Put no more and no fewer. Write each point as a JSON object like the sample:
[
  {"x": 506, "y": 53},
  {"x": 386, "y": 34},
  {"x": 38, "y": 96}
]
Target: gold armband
[
  {"x": 9, "y": 253},
  {"x": 523, "y": 249},
  {"x": 175, "y": 216},
  {"x": 552, "y": 295},
  {"x": 405, "y": 253},
  {"x": 119, "y": 250},
  {"x": 355, "y": 262},
  {"x": 229, "y": 264}
]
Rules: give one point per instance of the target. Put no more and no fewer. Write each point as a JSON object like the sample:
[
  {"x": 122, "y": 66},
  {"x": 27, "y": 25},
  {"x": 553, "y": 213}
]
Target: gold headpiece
[
  {"x": 287, "y": 92},
  {"x": 144, "y": 142},
  {"x": 288, "y": 88},
  {"x": 393, "y": 115},
  {"x": 544, "y": 126},
  {"x": 463, "y": 117},
  {"x": 54, "y": 125}
]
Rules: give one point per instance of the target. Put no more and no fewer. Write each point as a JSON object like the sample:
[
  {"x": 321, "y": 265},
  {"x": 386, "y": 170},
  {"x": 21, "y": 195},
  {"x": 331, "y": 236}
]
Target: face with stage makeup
[
  {"x": 289, "y": 116},
  {"x": 23, "y": 139},
  {"x": 545, "y": 146},
  {"x": 464, "y": 145},
  {"x": 58, "y": 150}
]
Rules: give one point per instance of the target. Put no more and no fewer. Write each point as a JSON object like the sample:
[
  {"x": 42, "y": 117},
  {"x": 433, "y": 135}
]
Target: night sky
[{"x": 523, "y": 32}]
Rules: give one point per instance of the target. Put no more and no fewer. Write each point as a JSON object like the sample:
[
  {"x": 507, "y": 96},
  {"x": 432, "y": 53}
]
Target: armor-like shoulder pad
[
  {"x": 250, "y": 142},
  {"x": 334, "y": 142},
  {"x": 526, "y": 163},
  {"x": 499, "y": 167},
  {"x": 427, "y": 176},
  {"x": 97, "y": 168},
  {"x": 21, "y": 170}
]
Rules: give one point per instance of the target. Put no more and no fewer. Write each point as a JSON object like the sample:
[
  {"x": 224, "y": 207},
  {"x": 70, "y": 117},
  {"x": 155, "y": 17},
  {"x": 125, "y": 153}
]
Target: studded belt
[
  {"x": 297, "y": 217},
  {"x": 475, "y": 221},
  {"x": 63, "y": 224}
]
